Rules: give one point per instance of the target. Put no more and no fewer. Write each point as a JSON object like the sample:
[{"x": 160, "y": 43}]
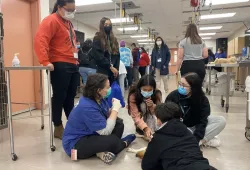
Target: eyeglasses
[
  {"x": 183, "y": 85},
  {"x": 69, "y": 10}
]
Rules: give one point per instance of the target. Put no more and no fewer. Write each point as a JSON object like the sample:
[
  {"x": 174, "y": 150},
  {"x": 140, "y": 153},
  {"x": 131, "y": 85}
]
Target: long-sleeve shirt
[
  {"x": 136, "y": 115},
  {"x": 54, "y": 42},
  {"x": 144, "y": 60},
  {"x": 126, "y": 56}
]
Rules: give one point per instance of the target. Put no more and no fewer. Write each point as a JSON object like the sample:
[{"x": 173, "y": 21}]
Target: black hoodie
[
  {"x": 173, "y": 147},
  {"x": 195, "y": 114}
]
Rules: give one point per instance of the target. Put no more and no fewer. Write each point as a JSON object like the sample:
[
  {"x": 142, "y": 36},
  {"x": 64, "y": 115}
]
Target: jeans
[
  {"x": 64, "y": 81},
  {"x": 89, "y": 146},
  {"x": 85, "y": 72},
  {"x": 160, "y": 77},
  {"x": 121, "y": 83},
  {"x": 214, "y": 126},
  {"x": 129, "y": 76},
  {"x": 135, "y": 74}
]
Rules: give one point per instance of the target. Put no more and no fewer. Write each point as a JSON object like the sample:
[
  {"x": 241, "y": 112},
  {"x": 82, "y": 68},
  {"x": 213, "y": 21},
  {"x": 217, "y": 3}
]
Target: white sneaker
[{"x": 215, "y": 142}]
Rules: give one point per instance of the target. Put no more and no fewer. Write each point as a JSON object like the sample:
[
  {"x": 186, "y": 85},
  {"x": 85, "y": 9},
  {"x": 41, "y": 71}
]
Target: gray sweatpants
[
  {"x": 121, "y": 83},
  {"x": 214, "y": 126}
]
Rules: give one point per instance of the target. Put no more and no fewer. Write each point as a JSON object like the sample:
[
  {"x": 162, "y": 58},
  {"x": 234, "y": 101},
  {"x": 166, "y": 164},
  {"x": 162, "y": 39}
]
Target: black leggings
[
  {"x": 194, "y": 66},
  {"x": 64, "y": 80},
  {"x": 91, "y": 145},
  {"x": 142, "y": 70}
]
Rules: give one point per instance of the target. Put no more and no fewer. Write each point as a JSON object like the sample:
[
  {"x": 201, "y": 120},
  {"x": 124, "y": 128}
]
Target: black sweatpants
[
  {"x": 142, "y": 70},
  {"x": 64, "y": 80},
  {"x": 194, "y": 66},
  {"x": 129, "y": 77},
  {"x": 91, "y": 145}
]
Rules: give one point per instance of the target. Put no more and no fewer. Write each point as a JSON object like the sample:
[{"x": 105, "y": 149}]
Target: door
[
  {"x": 18, "y": 39},
  {"x": 173, "y": 61}
]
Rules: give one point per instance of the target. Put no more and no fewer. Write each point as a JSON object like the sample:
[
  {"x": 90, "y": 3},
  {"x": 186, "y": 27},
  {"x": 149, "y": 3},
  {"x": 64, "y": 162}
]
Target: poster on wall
[{"x": 80, "y": 36}]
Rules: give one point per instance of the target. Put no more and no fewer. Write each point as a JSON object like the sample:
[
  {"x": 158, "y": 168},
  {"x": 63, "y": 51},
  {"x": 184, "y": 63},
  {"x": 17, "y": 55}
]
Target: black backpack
[{"x": 85, "y": 57}]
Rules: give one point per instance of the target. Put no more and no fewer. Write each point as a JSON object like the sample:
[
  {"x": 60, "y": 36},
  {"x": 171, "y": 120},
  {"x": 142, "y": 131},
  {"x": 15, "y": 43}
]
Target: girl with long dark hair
[
  {"x": 195, "y": 109},
  {"x": 160, "y": 59},
  {"x": 105, "y": 50},
  {"x": 142, "y": 100},
  {"x": 55, "y": 46},
  {"x": 192, "y": 50}
]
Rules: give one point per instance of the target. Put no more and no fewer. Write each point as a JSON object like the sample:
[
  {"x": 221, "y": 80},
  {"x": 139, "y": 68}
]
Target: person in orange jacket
[
  {"x": 144, "y": 61},
  {"x": 55, "y": 46}
]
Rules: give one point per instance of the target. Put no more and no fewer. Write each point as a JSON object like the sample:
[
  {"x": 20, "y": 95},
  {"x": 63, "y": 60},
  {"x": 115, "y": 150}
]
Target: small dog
[{"x": 139, "y": 153}]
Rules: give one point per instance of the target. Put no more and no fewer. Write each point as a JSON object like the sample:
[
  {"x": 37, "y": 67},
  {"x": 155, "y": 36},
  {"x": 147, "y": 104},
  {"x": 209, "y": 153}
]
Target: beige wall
[
  {"x": 88, "y": 30},
  {"x": 239, "y": 33}
]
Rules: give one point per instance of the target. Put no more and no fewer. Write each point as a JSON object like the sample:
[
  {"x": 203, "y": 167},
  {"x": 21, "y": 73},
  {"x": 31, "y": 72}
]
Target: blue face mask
[
  {"x": 78, "y": 46},
  {"x": 108, "y": 93},
  {"x": 146, "y": 94},
  {"x": 182, "y": 90}
]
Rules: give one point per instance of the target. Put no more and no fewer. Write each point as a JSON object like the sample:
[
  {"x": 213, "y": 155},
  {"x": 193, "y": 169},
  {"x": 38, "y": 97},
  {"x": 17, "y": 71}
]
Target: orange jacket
[{"x": 52, "y": 41}]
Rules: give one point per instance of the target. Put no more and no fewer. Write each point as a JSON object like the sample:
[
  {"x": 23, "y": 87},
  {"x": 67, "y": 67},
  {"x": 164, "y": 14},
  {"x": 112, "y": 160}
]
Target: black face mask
[{"x": 107, "y": 29}]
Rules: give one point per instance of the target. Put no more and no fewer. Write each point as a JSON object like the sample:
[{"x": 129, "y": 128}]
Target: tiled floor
[{"x": 32, "y": 144}]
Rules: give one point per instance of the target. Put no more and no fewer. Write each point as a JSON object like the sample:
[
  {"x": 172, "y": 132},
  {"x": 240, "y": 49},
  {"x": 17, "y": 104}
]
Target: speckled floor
[{"x": 32, "y": 144}]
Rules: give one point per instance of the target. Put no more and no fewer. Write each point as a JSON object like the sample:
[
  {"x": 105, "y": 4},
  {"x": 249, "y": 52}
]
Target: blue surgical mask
[
  {"x": 146, "y": 94},
  {"x": 108, "y": 93},
  {"x": 78, "y": 46},
  {"x": 182, "y": 90}
]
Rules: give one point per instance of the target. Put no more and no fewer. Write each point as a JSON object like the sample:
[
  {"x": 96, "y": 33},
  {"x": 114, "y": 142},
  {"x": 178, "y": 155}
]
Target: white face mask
[
  {"x": 158, "y": 43},
  {"x": 69, "y": 15}
]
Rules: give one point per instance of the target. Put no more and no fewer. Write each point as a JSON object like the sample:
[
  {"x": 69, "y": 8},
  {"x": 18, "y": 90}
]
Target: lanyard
[
  {"x": 101, "y": 110},
  {"x": 71, "y": 34}
]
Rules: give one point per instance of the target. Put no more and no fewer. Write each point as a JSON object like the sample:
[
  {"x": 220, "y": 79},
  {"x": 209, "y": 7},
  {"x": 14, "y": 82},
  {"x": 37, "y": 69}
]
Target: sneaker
[
  {"x": 106, "y": 157},
  {"x": 215, "y": 142},
  {"x": 129, "y": 139}
]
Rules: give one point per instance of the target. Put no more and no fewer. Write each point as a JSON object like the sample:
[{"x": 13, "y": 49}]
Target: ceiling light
[
  {"x": 92, "y": 2},
  {"x": 213, "y": 16},
  {"x": 211, "y": 28},
  {"x": 204, "y": 34},
  {"x": 119, "y": 20},
  {"x": 145, "y": 40},
  {"x": 220, "y": 2},
  {"x": 139, "y": 36},
  {"x": 128, "y": 29},
  {"x": 248, "y": 31},
  {"x": 146, "y": 43},
  {"x": 207, "y": 38}
]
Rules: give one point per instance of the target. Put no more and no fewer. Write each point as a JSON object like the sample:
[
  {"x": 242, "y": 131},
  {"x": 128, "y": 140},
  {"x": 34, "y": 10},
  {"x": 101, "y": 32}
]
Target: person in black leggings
[
  {"x": 93, "y": 128},
  {"x": 191, "y": 53}
]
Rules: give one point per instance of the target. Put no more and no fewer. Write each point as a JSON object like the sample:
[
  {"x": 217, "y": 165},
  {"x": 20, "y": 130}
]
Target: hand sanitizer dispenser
[{"x": 16, "y": 61}]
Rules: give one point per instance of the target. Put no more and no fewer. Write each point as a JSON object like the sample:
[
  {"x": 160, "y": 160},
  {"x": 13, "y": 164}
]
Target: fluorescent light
[
  {"x": 128, "y": 29},
  {"x": 220, "y": 2},
  {"x": 248, "y": 31},
  {"x": 145, "y": 40},
  {"x": 211, "y": 28},
  {"x": 207, "y": 38},
  {"x": 146, "y": 43},
  {"x": 92, "y": 2},
  {"x": 204, "y": 34},
  {"x": 213, "y": 16},
  {"x": 139, "y": 36},
  {"x": 118, "y": 20}
]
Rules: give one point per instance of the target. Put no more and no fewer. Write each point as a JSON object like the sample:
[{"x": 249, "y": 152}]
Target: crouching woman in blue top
[{"x": 93, "y": 128}]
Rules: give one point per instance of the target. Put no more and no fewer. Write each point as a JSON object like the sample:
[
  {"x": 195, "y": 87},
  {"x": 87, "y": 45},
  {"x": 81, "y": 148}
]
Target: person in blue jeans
[
  {"x": 127, "y": 59},
  {"x": 93, "y": 128},
  {"x": 87, "y": 63}
]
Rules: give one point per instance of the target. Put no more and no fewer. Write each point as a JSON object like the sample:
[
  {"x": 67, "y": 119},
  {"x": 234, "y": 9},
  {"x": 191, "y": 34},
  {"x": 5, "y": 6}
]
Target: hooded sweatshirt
[{"x": 174, "y": 147}]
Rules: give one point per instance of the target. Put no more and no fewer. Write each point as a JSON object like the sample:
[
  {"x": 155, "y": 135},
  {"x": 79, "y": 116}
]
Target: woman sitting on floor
[
  {"x": 93, "y": 128},
  {"x": 142, "y": 100},
  {"x": 195, "y": 109}
]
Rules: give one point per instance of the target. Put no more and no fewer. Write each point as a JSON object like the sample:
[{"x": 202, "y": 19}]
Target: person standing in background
[
  {"x": 55, "y": 47},
  {"x": 104, "y": 47},
  {"x": 144, "y": 61},
  {"x": 160, "y": 59},
  {"x": 127, "y": 59},
  {"x": 191, "y": 53},
  {"x": 122, "y": 76},
  {"x": 220, "y": 54},
  {"x": 136, "y": 58},
  {"x": 87, "y": 63}
]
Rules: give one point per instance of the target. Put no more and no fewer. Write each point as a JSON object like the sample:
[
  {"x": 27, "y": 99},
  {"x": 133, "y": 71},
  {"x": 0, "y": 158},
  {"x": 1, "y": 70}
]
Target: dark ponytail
[{"x": 61, "y": 3}]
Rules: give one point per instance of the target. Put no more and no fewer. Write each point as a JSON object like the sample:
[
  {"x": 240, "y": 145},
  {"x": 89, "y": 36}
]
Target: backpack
[{"x": 85, "y": 58}]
